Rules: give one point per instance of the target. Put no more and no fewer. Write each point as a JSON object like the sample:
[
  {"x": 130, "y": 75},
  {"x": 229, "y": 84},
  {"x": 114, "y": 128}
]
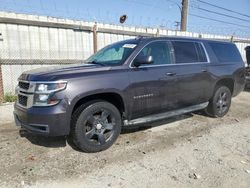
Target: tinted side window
[
  {"x": 185, "y": 52},
  {"x": 160, "y": 52},
  {"x": 225, "y": 52}
]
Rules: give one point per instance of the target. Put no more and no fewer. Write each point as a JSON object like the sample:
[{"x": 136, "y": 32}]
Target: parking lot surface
[{"x": 191, "y": 150}]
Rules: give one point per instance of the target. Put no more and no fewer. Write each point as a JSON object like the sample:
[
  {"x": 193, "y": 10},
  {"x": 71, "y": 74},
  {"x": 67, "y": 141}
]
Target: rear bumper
[
  {"x": 239, "y": 81},
  {"x": 49, "y": 121}
]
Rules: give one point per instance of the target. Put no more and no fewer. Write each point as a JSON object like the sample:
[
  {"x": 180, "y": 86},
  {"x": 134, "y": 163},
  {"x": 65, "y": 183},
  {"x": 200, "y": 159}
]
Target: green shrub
[{"x": 8, "y": 97}]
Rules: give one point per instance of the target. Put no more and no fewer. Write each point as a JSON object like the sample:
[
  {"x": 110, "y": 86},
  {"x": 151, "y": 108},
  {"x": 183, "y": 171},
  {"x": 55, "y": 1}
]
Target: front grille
[
  {"x": 24, "y": 85},
  {"x": 22, "y": 100}
]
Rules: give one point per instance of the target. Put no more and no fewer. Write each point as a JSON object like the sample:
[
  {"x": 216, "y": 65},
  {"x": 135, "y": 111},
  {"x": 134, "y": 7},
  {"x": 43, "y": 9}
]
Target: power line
[
  {"x": 214, "y": 12},
  {"x": 229, "y": 10},
  {"x": 212, "y": 19},
  {"x": 222, "y": 14},
  {"x": 139, "y": 2}
]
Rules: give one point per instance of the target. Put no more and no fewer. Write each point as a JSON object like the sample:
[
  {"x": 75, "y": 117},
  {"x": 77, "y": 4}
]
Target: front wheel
[
  {"x": 220, "y": 103},
  {"x": 95, "y": 126}
]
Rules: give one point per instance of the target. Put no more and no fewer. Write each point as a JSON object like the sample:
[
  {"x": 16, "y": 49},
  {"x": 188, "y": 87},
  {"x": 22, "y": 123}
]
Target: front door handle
[
  {"x": 204, "y": 70},
  {"x": 170, "y": 73}
]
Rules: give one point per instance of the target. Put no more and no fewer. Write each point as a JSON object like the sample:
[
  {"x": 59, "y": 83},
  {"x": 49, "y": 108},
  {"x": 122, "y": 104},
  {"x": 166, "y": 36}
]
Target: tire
[
  {"x": 220, "y": 102},
  {"x": 95, "y": 126}
]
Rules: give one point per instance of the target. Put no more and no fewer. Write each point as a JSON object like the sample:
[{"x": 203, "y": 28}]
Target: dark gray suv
[{"x": 128, "y": 83}]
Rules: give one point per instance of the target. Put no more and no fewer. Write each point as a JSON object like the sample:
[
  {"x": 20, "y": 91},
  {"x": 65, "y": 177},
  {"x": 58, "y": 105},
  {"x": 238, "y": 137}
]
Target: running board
[{"x": 165, "y": 115}]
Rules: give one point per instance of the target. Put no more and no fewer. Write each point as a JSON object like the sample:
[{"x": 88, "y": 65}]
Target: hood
[{"x": 61, "y": 72}]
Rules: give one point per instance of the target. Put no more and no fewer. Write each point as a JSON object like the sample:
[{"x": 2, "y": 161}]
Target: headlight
[
  {"x": 44, "y": 93},
  {"x": 50, "y": 87}
]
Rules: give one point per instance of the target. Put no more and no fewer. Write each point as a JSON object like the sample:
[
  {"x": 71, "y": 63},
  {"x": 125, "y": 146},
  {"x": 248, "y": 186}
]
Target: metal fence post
[
  {"x": 232, "y": 38},
  {"x": 158, "y": 32},
  {"x": 1, "y": 77},
  {"x": 95, "y": 38},
  {"x": 1, "y": 85}
]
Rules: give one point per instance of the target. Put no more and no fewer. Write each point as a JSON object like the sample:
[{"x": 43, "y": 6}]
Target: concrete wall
[{"x": 30, "y": 41}]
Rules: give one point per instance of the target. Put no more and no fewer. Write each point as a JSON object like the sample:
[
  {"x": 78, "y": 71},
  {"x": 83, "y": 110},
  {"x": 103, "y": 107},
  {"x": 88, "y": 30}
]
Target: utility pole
[
  {"x": 184, "y": 13},
  {"x": 95, "y": 37}
]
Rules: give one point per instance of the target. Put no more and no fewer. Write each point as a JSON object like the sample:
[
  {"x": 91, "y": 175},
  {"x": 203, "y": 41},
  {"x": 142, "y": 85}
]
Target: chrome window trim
[
  {"x": 171, "y": 64},
  {"x": 205, "y": 50}
]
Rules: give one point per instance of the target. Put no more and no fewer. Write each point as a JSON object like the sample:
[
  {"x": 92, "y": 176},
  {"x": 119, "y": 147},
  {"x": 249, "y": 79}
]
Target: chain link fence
[{"x": 30, "y": 43}]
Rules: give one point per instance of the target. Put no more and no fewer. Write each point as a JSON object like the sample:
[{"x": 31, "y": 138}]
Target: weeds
[{"x": 8, "y": 97}]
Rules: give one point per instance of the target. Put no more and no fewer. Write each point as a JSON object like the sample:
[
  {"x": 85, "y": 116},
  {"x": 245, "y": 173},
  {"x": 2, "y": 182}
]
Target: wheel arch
[
  {"x": 112, "y": 97},
  {"x": 228, "y": 82}
]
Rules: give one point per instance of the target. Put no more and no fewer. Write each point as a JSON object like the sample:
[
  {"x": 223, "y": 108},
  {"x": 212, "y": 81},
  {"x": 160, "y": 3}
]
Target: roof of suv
[{"x": 180, "y": 38}]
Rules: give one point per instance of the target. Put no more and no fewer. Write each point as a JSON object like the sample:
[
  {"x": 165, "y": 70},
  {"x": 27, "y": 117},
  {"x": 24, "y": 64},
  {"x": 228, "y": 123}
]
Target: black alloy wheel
[
  {"x": 220, "y": 103},
  {"x": 99, "y": 126},
  {"x": 95, "y": 126}
]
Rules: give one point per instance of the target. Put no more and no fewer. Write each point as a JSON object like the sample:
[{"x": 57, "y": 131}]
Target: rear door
[{"x": 190, "y": 72}]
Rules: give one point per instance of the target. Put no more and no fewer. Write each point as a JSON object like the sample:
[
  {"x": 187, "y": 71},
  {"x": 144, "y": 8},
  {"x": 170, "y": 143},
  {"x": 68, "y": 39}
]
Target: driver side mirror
[{"x": 143, "y": 60}]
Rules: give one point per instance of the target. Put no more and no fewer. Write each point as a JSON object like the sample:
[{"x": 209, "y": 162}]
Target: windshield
[{"x": 114, "y": 54}]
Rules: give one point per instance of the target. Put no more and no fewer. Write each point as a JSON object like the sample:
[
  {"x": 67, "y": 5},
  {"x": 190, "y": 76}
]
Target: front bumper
[
  {"x": 247, "y": 79},
  {"x": 49, "y": 121}
]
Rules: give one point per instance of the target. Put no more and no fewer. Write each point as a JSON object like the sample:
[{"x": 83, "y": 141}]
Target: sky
[{"x": 234, "y": 19}]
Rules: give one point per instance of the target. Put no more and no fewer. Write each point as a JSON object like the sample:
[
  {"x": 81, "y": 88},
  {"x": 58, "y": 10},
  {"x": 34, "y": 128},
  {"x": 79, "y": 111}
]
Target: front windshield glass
[{"x": 114, "y": 54}]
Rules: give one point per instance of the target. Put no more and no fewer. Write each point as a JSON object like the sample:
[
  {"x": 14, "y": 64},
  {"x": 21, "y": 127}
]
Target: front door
[{"x": 151, "y": 90}]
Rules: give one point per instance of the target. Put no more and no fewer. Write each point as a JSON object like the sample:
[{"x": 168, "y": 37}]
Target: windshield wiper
[{"x": 96, "y": 63}]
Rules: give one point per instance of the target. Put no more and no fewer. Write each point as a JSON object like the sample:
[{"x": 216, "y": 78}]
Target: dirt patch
[{"x": 186, "y": 151}]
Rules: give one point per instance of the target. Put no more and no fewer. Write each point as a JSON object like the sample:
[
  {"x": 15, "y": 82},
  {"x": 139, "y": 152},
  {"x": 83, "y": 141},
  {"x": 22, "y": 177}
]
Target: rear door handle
[
  {"x": 170, "y": 73},
  {"x": 204, "y": 70}
]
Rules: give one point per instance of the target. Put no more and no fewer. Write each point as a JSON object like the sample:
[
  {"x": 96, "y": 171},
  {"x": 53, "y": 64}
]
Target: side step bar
[{"x": 165, "y": 115}]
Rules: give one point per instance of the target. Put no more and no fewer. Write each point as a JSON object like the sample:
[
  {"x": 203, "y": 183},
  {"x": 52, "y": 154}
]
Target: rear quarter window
[{"x": 226, "y": 52}]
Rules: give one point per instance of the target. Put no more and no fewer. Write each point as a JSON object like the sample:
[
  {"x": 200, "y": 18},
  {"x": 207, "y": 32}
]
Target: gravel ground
[
  {"x": 186, "y": 151},
  {"x": 6, "y": 111}
]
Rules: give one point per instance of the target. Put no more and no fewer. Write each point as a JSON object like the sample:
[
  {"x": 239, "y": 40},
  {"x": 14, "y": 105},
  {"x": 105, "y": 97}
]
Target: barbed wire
[
  {"x": 223, "y": 8},
  {"x": 105, "y": 16}
]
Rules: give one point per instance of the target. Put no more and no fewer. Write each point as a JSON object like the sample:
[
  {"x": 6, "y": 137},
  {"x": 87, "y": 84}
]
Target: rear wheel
[
  {"x": 95, "y": 126},
  {"x": 220, "y": 103}
]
